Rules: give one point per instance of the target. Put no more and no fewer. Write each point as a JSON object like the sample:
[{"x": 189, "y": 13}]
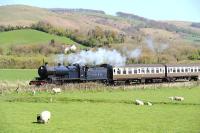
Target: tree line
[{"x": 96, "y": 37}]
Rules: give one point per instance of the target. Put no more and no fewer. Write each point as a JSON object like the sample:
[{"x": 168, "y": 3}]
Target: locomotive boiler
[{"x": 72, "y": 73}]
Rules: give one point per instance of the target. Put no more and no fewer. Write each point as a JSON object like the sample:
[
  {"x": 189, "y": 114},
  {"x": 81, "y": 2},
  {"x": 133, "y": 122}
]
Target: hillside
[
  {"x": 21, "y": 15},
  {"x": 30, "y": 37},
  {"x": 159, "y": 41},
  {"x": 83, "y": 20}
]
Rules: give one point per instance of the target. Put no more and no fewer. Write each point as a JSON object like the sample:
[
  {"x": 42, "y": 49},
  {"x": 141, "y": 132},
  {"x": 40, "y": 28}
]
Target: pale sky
[{"x": 183, "y": 10}]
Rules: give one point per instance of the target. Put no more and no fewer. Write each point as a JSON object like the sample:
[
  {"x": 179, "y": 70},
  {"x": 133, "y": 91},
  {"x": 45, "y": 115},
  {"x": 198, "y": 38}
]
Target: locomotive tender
[{"x": 106, "y": 73}]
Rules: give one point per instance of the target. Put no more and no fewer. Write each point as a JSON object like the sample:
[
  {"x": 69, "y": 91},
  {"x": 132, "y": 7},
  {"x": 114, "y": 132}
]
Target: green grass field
[
  {"x": 29, "y": 37},
  {"x": 111, "y": 111},
  {"x": 17, "y": 74}
]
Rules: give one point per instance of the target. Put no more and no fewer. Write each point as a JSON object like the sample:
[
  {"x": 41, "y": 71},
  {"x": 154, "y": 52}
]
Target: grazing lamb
[
  {"x": 178, "y": 98},
  {"x": 44, "y": 117},
  {"x": 149, "y": 104},
  {"x": 56, "y": 90},
  {"x": 139, "y": 102}
]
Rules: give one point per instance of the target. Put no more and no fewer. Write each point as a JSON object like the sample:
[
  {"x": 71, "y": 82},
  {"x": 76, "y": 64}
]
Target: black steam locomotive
[
  {"x": 73, "y": 73},
  {"x": 106, "y": 73}
]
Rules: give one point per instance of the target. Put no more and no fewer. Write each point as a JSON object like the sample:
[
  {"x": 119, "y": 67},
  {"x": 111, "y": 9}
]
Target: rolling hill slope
[
  {"x": 159, "y": 41},
  {"x": 29, "y": 37},
  {"x": 83, "y": 20},
  {"x": 22, "y": 15}
]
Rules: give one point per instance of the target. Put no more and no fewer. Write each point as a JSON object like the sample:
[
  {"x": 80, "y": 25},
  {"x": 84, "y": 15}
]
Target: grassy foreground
[
  {"x": 17, "y": 74},
  {"x": 105, "y": 111}
]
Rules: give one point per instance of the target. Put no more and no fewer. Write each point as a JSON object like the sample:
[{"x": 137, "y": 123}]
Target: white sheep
[
  {"x": 178, "y": 98},
  {"x": 73, "y": 48},
  {"x": 139, "y": 102},
  {"x": 67, "y": 49},
  {"x": 149, "y": 104},
  {"x": 56, "y": 90},
  {"x": 43, "y": 117}
]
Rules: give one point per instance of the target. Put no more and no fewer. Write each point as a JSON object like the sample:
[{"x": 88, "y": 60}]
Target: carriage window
[
  {"x": 142, "y": 71},
  {"x": 124, "y": 71},
  {"x": 182, "y": 70},
  {"x": 118, "y": 71},
  {"x": 148, "y": 71},
  {"x": 138, "y": 70},
  {"x": 129, "y": 71},
  {"x": 170, "y": 70},
  {"x": 174, "y": 70},
  {"x": 160, "y": 70},
  {"x": 152, "y": 70},
  {"x": 195, "y": 70},
  {"x": 186, "y": 70},
  {"x": 191, "y": 69},
  {"x": 178, "y": 70},
  {"x": 113, "y": 70},
  {"x": 199, "y": 69},
  {"x": 135, "y": 71},
  {"x": 157, "y": 70}
]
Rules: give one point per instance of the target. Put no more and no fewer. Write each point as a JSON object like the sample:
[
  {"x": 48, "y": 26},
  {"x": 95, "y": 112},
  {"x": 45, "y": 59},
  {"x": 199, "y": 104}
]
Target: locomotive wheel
[
  {"x": 58, "y": 82},
  {"x": 127, "y": 82},
  {"x": 142, "y": 81}
]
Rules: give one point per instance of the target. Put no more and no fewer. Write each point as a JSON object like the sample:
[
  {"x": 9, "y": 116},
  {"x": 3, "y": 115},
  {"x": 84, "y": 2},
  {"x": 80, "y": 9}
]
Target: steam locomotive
[{"x": 140, "y": 73}]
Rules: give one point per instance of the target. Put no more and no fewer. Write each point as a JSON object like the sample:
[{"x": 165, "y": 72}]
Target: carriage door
[{"x": 82, "y": 73}]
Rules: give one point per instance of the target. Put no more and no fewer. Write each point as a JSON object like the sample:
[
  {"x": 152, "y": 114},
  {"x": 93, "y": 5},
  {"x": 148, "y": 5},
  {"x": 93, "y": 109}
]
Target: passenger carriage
[
  {"x": 183, "y": 71},
  {"x": 140, "y": 72}
]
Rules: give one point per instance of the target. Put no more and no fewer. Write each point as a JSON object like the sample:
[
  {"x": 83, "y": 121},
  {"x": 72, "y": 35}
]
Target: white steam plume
[
  {"x": 158, "y": 48},
  {"x": 132, "y": 54},
  {"x": 98, "y": 57},
  {"x": 150, "y": 44},
  {"x": 135, "y": 53}
]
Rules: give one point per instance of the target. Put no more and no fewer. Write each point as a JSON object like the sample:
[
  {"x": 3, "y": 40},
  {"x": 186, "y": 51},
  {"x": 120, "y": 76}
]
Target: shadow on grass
[
  {"x": 83, "y": 100},
  {"x": 35, "y": 122}
]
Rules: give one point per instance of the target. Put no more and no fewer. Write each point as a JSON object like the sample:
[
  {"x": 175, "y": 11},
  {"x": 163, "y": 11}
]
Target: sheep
[
  {"x": 70, "y": 48},
  {"x": 139, "y": 102},
  {"x": 177, "y": 98},
  {"x": 43, "y": 117},
  {"x": 56, "y": 90},
  {"x": 73, "y": 48},
  {"x": 149, "y": 104},
  {"x": 67, "y": 49}
]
